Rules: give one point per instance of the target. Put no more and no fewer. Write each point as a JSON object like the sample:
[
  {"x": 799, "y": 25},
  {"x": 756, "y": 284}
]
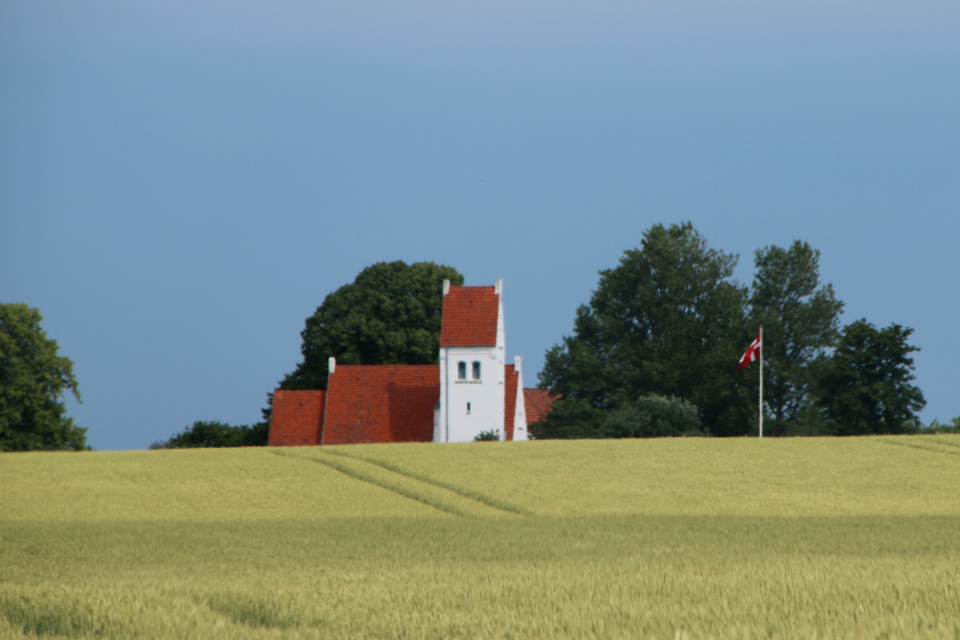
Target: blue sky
[{"x": 181, "y": 183}]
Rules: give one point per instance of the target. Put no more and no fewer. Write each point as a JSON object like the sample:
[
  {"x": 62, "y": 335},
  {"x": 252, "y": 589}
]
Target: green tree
[
  {"x": 865, "y": 385},
  {"x": 800, "y": 321},
  {"x": 204, "y": 434},
  {"x": 654, "y": 416},
  {"x": 668, "y": 320},
  {"x": 32, "y": 380},
  {"x": 390, "y": 314}
]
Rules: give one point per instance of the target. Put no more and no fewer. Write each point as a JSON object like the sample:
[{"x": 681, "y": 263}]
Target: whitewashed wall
[{"x": 485, "y": 397}]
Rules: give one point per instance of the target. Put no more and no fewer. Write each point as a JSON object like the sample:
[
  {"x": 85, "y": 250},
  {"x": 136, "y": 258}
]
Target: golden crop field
[{"x": 672, "y": 538}]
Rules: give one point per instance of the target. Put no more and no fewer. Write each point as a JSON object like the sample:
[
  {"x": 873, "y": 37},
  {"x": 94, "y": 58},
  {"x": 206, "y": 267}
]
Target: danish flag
[{"x": 753, "y": 352}]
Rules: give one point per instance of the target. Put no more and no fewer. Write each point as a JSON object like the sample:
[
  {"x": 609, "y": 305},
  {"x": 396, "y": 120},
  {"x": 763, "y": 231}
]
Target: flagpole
[{"x": 761, "y": 381}]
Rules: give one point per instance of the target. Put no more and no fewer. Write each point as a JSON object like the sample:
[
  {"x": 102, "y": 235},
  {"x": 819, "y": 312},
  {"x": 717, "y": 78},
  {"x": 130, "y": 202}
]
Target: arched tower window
[
  {"x": 461, "y": 371},
  {"x": 476, "y": 370}
]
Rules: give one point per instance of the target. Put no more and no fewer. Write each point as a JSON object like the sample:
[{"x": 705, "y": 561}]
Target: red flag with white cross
[{"x": 753, "y": 352}]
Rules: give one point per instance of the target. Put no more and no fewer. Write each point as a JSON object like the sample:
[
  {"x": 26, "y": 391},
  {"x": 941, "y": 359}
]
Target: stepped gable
[
  {"x": 381, "y": 403},
  {"x": 510, "y": 400},
  {"x": 296, "y": 418},
  {"x": 470, "y": 317},
  {"x": 537, "y": 403}
]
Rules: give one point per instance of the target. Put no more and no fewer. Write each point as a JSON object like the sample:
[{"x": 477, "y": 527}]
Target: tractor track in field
[
  {"x": 470, "y": 495},
  {"x": 435, "y": 494},
  {"x": 923, "y": 447}
]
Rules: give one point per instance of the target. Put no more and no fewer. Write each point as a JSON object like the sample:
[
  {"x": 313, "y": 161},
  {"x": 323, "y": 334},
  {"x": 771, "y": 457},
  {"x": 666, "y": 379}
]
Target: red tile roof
[
  {"x": 510, "y": 400},
  {"x": 469, "y": 317},
  {"x": 381, "y": 403},
  {"x": 296, "y": 418},
  {"x": 537, "y": 403}
]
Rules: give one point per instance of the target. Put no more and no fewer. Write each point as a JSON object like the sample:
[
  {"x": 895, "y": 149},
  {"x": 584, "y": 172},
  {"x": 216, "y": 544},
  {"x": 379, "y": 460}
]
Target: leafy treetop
[
  {"x": 390, "y": 314},
  {"x": 668, "y": 320},
  {"x": 865, "y": 385},
  {"x": 32, "y": 380},
  {"x": 800, "y": 321}
]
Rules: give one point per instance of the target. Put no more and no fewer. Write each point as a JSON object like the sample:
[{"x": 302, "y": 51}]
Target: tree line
[{"x": 654, "y": 352}]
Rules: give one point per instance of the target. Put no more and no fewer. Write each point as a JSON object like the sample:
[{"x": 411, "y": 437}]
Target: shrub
[
  {"x": 216, "y": 434},
  {"x": 937, "y": 427},
  {"x": 569, "y": 418},
  {"x": 654, "y": 416},
  {"x": 488, "y": 436}
]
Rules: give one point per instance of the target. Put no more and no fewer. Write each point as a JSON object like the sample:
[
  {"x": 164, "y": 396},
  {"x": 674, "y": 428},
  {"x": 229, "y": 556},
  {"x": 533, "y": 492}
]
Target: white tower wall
[{"x": 469, "y": 406}]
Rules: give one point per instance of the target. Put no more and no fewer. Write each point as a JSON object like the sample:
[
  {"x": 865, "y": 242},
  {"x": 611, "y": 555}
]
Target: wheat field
[{"x": 672, "y": 538}]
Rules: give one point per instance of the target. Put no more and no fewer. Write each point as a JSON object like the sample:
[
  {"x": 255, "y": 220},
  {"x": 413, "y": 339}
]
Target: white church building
[{"x": 471, "y": 392}]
